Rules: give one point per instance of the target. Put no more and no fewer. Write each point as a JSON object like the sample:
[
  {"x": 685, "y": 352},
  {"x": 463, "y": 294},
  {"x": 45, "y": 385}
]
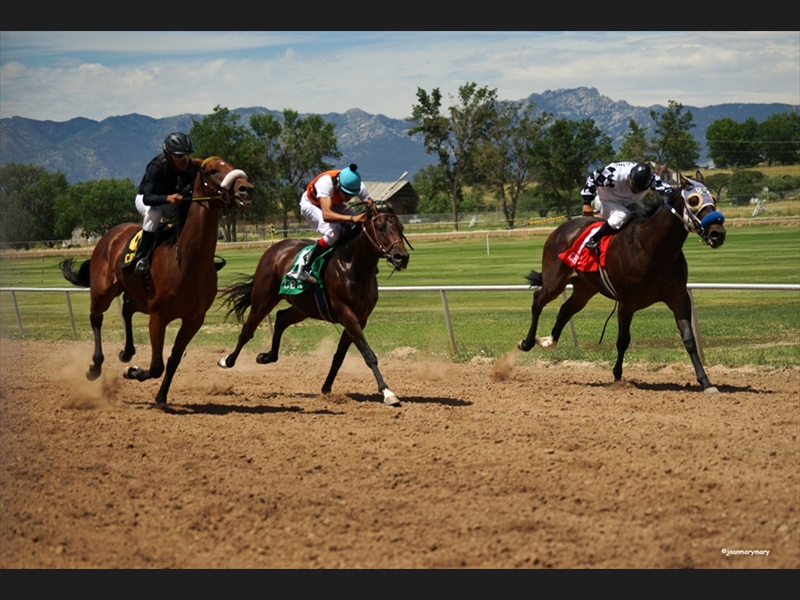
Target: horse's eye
[
  {"x": 214, "y": 171},
  {"x": 694, "y": 201}
]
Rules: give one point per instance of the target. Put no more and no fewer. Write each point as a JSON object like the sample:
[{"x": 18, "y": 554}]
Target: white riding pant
[
  {"x": 616, "y": 213},
  {"x": 313, "y": 214},
  {"x": 153, "y": 214}
]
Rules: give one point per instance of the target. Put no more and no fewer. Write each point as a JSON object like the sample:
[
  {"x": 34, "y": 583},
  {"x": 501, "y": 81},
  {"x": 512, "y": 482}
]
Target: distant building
[{"x": 400, "y": 195}]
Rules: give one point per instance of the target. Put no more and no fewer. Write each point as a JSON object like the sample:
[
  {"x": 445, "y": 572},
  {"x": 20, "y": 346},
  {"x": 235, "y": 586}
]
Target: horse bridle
[
  {"x": 694, "y": 200},
  {"x": 372, "y": 235},
  {"x": 222, "y": 189}
]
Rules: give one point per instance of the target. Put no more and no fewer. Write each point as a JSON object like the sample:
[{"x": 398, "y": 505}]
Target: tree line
[
  {"x": 776, "y": 140},
  {"x": 482, "y": 146}
]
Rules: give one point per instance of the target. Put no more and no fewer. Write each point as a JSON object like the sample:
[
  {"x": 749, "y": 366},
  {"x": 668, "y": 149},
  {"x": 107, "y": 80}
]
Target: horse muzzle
[
  {"x": 243, "y": 194},
  {"x": 399, "y": 260},
  {"x": 715, "y": 236}
]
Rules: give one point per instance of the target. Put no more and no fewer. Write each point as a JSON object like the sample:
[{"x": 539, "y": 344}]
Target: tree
[
  {"x": 454, "y": 139},
  {"x": 734, "y": 144},
  {"x": 563, "y": 156},
  {"x": 673, "y": 144},
  {"x": 504, "y": 162},
  {"x": 96, "y": 206},
  {"x": 28, "y": 195},
  {"x": 780, "y": 136},
  {"x": 744, "y": 184},
  {"x": 717, "y": 182},
  {"x": 292, "y": 153},
  {"x": 221, "y": 134},
  {"x": 431, "y": 184},
  {"x": 783, "y": 185},
  {"x": 635, "y": 147}
]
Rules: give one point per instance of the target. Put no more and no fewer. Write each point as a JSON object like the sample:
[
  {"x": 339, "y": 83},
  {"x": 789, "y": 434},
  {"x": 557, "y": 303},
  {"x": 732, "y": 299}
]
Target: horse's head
[
  {"x": 231, "y": 184},
  {"x": 385, "y": 231},
  {"x": 700, "y": 213}
]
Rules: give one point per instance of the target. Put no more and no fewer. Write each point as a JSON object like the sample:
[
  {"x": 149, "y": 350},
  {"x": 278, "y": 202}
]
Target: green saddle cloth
[{"x": 291, "y": 286}]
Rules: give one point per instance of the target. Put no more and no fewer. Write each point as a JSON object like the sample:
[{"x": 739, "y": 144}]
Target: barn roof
[{"x": 383, "y": 190}]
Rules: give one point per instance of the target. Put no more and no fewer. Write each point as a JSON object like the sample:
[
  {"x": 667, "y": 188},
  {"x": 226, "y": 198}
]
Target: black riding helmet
[
  {"x": 178, "y": 143},
  {"x": 641, "y": 177}
]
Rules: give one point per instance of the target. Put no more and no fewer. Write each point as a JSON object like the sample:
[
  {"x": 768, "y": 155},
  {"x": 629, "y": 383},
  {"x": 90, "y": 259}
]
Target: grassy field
[{"x": 737, "y": 327}]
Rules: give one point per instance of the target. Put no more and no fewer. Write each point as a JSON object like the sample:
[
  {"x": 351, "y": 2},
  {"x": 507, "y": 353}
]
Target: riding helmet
[
  {"x": 350, "y": 180},
  {"x": 641, "y": 176},
  {"x": 178, "y": 143}
]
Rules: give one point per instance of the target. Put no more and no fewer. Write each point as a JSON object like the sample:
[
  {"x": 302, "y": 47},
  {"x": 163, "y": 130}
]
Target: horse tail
[
  {"x": 534, "y": 278},
  {"x": 238, "y": 298},
  {"x": 80, "y": 277}
]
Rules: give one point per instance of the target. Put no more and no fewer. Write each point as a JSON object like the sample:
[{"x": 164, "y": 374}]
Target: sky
[{"x": 60, "y": 75}]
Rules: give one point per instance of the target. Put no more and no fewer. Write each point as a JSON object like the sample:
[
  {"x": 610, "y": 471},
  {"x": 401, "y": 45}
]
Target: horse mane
[{"x": 653, "y": 203}]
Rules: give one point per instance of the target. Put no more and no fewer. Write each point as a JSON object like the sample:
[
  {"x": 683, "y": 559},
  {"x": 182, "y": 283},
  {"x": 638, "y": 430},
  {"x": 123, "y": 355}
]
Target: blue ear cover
[{"x": 712, "y": 218}]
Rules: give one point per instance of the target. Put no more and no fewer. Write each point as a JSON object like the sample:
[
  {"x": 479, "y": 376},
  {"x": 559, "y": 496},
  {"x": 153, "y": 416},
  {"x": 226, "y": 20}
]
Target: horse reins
[{"x": 375, "y": 241}]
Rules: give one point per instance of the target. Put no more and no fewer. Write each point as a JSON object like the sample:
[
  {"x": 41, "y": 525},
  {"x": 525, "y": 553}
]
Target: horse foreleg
[
  {"x": 338, "y": 359},
  {"x": 682, "y": 309},
  {"x": 284, "y": 318},
  {"x": 389, "y": 397},
  {"x": 189, "y": 327},
  {"x": 355, "y": 331},
  {"x": 127, "y": 353},
  {"x": 257, "y": 314},
  {"x": 158, "y": 328},
  {"x": 624, "y": 318}
]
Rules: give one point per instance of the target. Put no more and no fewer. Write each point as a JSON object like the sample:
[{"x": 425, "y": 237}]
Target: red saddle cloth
[{"x": 582, "y": 259}]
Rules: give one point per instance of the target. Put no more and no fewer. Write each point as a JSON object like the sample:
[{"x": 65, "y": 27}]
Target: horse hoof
[
  {"x": 521, "y": 346},
  {"x": 711, "y": 390},
  {"x": 128, "y": 372},
  {"x": 124, "y": 356},
  {"x": 389, "y": 399},
  {"x": 265, "y": 358},
  {"x": 92, "y": 373},
  {"x": 546, "y": 342},
  {"x": 223, "y": 362}
]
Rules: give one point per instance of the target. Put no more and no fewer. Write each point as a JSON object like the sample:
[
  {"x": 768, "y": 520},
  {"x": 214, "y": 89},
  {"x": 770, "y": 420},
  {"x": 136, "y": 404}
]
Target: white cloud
[{"x": 61, "y": 75}]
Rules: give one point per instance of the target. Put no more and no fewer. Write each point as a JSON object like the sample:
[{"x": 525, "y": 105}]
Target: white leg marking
[
  {"x": 389, "y": 399},
  {"x": 546, "y": 342}
]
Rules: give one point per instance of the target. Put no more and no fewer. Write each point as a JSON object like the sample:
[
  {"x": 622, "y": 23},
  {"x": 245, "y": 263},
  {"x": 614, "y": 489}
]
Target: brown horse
[
  {"x": 183, "y": 277},
  {"x": 645, "y": 265},
  {"x": 349, "y": 281}
]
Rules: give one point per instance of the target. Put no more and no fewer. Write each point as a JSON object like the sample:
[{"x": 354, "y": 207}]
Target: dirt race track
[{"x": 482, "y": 466}]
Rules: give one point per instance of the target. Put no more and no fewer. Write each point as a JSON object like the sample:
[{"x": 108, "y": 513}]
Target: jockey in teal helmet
[{"x": 324, "y": 206}]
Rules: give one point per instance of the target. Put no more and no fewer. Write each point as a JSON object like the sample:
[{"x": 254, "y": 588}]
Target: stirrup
[
  {"x": 306, "y": 276},
  {"x": 592, "y": 244},
  {"x": 142, "y": 267}
]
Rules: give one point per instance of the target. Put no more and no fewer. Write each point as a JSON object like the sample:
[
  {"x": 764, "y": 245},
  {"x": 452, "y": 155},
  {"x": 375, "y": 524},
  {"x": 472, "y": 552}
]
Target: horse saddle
[
  {"x": 581, "y": 258},
  {"x": 163, "y": 232},
  {"x": 291, "y": 286}
]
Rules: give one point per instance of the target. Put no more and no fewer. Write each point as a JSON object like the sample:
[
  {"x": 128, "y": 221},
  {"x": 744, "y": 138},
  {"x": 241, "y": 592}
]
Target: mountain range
[{"x": 121, "y": 146}]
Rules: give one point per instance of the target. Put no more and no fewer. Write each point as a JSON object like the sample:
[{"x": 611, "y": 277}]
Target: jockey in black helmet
[
  {"x": 616, "y": 189},
  {"x": 163, "y": 186}
]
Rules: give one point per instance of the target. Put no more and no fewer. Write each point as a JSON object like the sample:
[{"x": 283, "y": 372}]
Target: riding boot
[
  {"x": 304, "y": 274},
  {"x": 593, "y": 243},
  {"x": 146, "y": 244}
]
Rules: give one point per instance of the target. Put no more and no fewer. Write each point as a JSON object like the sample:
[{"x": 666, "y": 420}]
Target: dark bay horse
[
  {"x": 645, "y": 264},
  {"x": 349, "y": 280},
  {"x": 183, "y": 277}
]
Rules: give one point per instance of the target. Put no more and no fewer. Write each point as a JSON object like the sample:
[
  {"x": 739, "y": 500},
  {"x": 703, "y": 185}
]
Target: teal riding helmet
[{"x": 350, "y": 180}]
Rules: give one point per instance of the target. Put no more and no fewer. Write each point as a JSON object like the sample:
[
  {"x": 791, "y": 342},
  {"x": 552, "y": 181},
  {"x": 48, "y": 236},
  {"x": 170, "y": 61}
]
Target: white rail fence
[{"x": 443, "y": 294}]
